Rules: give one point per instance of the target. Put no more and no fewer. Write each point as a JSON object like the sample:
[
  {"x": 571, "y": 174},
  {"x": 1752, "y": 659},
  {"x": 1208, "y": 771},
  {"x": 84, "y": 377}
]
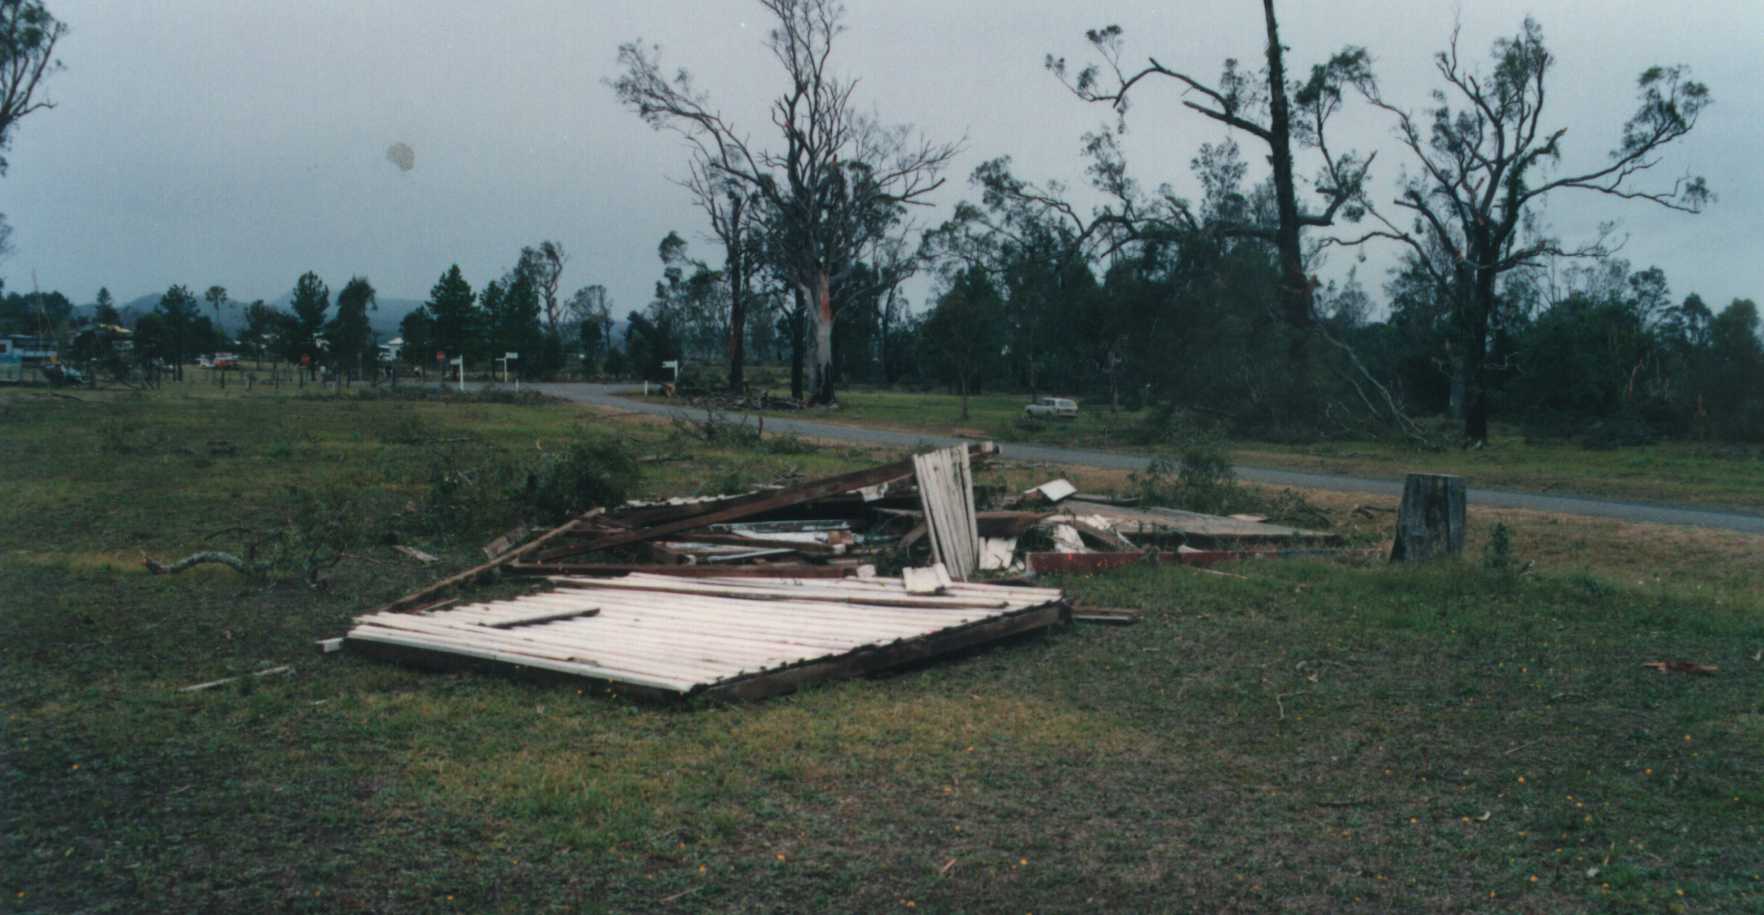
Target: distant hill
[{"x": 384, "y": 319}]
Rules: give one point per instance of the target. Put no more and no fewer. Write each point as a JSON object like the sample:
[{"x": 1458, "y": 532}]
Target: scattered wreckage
[{"x": 750, "y": 595}]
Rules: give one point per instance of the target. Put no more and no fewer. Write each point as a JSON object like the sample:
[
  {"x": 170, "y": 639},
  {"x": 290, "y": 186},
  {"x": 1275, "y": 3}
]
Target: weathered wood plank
[
  {"x": 834, "y": 569},
  {"x": 746, "y": 507},
  {"x": 475, "y": 572},
  {"x": 775, "y": 594},
  {"x": 947, "y": 497}
]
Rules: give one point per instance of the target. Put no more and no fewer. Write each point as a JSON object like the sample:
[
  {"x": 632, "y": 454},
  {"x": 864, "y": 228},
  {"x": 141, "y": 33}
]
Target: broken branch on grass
[
  {"x": 211, "y": 684},
  {"x": 205, "y": 557},
  {"x": 1682, "y": 667},
  {"x": 1529, "y": 743}
]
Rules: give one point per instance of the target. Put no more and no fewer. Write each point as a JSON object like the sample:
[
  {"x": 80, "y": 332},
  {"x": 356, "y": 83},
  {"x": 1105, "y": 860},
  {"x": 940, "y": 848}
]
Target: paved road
[{"x": 607, "y": 396}]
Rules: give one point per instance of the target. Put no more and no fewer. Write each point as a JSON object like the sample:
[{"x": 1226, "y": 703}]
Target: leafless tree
[
  {"x": 839, "y": 177},
  {"x": 732, "y": 207},
  {"x": 1483, "y": 164},
  {"x": 1263, "y": 105}
]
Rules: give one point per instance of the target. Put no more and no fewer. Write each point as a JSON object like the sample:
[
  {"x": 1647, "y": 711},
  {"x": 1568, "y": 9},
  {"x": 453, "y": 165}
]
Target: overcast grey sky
[{"x": 242, "y": 143}]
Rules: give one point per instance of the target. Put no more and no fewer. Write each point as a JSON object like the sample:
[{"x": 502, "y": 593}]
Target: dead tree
[
  {"x": 1275, "y": 112},
  {"x": 732, "y": 209},
  {"x": 1484, "y": 164},
  {"x": 835, "y": 182}
]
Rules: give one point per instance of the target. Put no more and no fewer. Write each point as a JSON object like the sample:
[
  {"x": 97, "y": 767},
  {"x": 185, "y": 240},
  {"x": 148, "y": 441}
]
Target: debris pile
[
  {"x": 752, "y": 594},
  {"x": 732, "y": 638}
]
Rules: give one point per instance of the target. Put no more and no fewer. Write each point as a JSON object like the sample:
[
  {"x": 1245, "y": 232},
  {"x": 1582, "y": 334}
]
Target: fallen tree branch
[
  {"x": 204, "y": 557},
  {"x": 1397, "y": 417},
  {"x": 211, "y": 684}
]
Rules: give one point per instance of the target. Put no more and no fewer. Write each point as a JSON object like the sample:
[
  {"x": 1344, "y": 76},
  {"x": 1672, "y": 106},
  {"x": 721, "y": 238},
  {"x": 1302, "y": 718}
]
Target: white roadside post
[
  {"x": 675, "y": 365},
  {"x": 507, "y": 370},
  {"x": 460, "y": 361}
]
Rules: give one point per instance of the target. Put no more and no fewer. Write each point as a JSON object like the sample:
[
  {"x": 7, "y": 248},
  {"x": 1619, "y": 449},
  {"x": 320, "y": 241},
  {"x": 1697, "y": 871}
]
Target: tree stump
[{"x": 1430, "y": 522}]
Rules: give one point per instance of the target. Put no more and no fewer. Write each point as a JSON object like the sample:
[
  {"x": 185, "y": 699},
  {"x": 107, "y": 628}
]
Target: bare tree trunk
[
  {"x": 1460, "y": 383},
  {"x": 737, "y": 327},
  {"x": 819, "y": 362},
  {"x": 1482, "y": 305},
  {"x": 1476, "y": 389},
  {"x": 882, "y": 323},
  {"x": 1295, "y": 286},
  {"x": 798, "y": 320}
]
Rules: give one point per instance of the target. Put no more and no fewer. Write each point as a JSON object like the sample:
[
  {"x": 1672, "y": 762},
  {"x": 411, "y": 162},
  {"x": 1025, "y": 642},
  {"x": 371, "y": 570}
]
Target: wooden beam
[
  {"x": 815, "y": 547},
  {"x": 773, "y": 570},
  {"x": 747, "y": 506},
  {"x": 551, "y": 616},
  {"x": 790, "y": 593},
  {"x": 475, "y": 572}
]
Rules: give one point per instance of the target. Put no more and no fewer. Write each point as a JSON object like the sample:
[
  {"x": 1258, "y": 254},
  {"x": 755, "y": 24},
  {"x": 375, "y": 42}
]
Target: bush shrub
[{"x": 588, "y": 473}]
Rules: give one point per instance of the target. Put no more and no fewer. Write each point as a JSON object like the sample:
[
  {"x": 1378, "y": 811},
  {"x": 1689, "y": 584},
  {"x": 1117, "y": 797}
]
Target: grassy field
[
  {"x": 1674, "y": 472},
  {"x": 1307, "y": 736}
]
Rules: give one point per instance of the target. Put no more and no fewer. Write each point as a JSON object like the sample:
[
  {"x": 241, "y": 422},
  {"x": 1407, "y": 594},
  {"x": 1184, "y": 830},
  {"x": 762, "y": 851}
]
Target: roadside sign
[{"x": 511, "y": 355}]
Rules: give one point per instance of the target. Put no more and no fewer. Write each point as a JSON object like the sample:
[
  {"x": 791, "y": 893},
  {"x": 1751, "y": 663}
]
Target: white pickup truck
[{"x": 1052, "y": 408}]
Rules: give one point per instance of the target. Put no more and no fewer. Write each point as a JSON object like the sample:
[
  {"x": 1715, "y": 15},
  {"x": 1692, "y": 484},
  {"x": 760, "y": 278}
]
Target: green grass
[
  {"x": 1314, "y": 737},
  {"x": 1729, "y": 476}
]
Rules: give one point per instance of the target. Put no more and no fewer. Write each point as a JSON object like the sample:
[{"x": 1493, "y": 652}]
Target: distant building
[
  {"x": 21, "y": 354},
  {"x": 391, "y": 349}
]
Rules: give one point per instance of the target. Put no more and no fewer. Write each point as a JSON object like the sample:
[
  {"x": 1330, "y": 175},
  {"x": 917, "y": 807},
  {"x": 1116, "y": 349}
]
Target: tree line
[
  {"x": 1208, "y": 306},
  {"x": 1213, "y": 306}
]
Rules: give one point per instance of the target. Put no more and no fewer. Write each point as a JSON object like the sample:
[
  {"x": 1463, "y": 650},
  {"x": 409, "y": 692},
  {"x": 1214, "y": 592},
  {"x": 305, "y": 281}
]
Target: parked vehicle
[
  {"x": 1052, "y": 407},
  {"x": 61, "y": 375}
]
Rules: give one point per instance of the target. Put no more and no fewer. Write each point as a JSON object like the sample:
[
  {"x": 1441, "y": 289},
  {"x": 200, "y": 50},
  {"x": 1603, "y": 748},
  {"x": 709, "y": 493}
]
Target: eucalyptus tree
[
  {"x": 1484, "y": 161},
  {"x": 28, "y": 35},
  {"x": 1265, "y": 105},
  {"x": 837, "y": 180},
  {"x": 544, "y": 265},
  {"x": 733, "y": 208},
  {"x": 1023, "y": 238}
]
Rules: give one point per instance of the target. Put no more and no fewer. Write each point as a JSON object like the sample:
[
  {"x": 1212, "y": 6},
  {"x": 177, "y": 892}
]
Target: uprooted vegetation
[
  {"x": 1200, "y": 478},
  {"x": 743, "y": 431}
]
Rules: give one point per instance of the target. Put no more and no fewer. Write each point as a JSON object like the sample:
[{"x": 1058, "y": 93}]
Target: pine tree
[
  {"x": 105, "y": 312},
  {"x": 177, "y": 313},
  {"x": 349, "y": 334},
  {"x": 453, "y": 321},
  {"x": 312, "y": 298}
]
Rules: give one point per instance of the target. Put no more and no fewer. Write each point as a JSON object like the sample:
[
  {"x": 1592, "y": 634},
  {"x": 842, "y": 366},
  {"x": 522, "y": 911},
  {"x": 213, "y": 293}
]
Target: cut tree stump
[{"x": 1430, "y": 523}]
